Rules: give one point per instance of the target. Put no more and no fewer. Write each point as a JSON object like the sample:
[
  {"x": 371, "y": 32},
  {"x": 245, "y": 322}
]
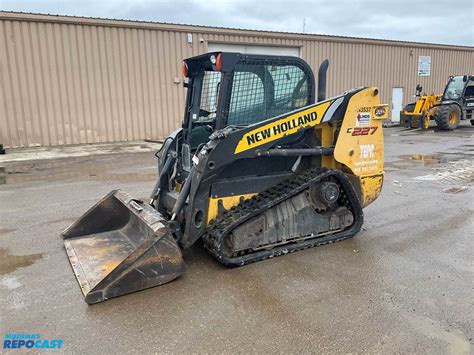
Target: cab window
[
  {"x": 203, "y": 123},
  {"x": 262, "y": 91},
  {"x": 454, "y": 88}
]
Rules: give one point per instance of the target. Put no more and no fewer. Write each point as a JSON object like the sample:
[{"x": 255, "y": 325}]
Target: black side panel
[
  {"x": 246, "y": 184},
  {"x": 236, "y": 178}
]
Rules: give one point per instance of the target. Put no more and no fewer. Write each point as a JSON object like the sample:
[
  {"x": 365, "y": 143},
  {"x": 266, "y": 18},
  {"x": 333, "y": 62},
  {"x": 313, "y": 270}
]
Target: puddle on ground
[
  {"x": 427, "y": 159},
  {"x": 454, "y": 172},
  {"x": 5, "y": 231},
  {"x": 10, "y": 282},
  {"x": 103, "y": 168},
  {"x": 456, "y": 189},
  {"x": 455, "y": 167},
  {"x": 414, "y": 160},
  {"x": 10, "y": 263},
  {"x": 457, "y": 342}
]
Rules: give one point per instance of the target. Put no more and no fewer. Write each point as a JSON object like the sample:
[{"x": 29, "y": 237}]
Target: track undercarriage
[{"x": 311, "y": 209}]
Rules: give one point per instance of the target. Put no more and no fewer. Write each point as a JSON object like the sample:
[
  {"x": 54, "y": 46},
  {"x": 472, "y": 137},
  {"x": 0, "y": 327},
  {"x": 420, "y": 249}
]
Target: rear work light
[
  {"x": 216, "y": 62},
  {"x": 184, "y": 70}
]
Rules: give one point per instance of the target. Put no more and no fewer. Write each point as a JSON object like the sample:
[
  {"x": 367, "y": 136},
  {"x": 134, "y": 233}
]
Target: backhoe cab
[{"x": 260, "y": 167}]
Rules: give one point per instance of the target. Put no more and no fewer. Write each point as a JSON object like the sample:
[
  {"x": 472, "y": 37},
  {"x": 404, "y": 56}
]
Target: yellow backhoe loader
[{"x": 262, "y": 166}]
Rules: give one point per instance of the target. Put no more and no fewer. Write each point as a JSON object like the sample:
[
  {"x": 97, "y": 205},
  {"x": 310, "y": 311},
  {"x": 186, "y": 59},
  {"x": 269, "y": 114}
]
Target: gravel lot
[{"x": 403, "y": 284}]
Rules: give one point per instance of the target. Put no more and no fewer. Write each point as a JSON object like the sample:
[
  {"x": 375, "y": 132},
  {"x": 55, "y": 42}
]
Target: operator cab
[
  {"x": 454, "y": 88},
  {"x": 233, "y": 89},
  {"x": 458, "y": 87}
]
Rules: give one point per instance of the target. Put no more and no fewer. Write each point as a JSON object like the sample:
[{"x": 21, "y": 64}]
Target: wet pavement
[{"x": 403, "y": 284}]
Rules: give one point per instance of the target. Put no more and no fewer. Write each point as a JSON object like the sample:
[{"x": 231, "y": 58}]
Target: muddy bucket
[{"x": 119, "y": 246}]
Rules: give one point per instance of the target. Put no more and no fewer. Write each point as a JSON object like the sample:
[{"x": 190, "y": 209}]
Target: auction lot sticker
[{"x": 363, "y": 117}]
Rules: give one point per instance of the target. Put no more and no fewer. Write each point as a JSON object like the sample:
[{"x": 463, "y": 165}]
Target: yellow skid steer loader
[{"x": 261, "y": 167}]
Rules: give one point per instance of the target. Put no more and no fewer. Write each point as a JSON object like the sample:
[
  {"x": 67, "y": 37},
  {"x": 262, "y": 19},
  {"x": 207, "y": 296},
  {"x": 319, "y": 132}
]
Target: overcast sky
[{"x": 435, "y": 21}]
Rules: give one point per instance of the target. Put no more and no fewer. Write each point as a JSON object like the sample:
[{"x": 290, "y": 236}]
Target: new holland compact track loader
[{"x": 260, "y": 168}]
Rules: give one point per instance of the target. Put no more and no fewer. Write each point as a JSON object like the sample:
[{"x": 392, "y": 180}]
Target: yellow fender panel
[
  {"x": 227, "y": 202},
  {"x": 359, "y": 146},
  {"x": 371, "y": 187}
]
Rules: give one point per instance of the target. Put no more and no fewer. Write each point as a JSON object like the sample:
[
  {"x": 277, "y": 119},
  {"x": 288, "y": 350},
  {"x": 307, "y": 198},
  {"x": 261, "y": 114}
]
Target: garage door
[{"x": 253, "y": 49}]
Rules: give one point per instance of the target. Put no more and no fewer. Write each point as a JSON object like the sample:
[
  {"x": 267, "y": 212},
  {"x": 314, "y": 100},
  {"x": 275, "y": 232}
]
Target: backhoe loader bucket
[{"x": 119, "y": 246}]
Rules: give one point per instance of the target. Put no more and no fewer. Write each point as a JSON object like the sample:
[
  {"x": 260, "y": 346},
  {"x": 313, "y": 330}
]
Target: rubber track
[{"x": 221, "y": 226}]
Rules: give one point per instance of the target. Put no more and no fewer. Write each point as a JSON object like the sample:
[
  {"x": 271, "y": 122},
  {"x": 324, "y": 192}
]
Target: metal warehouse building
[{"x": 70, "y": 80}]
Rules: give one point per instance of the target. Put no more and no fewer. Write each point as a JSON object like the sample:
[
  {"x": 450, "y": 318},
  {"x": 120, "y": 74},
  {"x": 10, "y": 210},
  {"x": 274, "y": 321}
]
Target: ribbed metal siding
[
  {"x": 387, "y": 67},
  {"x": 69, "y": 83}
]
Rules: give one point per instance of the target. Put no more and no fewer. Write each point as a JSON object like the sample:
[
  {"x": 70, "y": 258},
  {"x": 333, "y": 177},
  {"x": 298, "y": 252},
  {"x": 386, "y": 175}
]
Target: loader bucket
[{"x": 119, "y": 246}]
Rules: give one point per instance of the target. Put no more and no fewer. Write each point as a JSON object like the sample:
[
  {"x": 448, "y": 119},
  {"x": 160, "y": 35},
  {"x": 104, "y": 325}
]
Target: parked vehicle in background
[{"x": 447, "y": 110}]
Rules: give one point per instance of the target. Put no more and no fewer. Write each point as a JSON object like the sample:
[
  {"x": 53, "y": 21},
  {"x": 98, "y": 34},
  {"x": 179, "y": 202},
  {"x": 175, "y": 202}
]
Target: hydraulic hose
[
  {"x": 159, "y": 183},
  {"x": 183, "y": 195}
]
